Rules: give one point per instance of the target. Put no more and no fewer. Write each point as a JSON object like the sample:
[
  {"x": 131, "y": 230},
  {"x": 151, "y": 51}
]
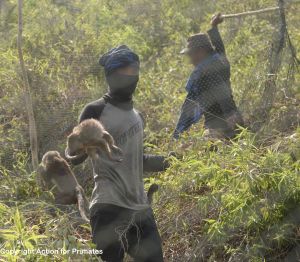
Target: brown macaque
[
  {"x": 152, "y": 189},
  {"x": 57, "y": 174},
  {"x": 88, "y": 137}
]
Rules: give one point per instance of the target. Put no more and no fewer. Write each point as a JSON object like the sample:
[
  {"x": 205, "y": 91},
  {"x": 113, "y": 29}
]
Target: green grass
[
  {"x": 218, "y": 201},
  {"x": 228, "y": 201}
]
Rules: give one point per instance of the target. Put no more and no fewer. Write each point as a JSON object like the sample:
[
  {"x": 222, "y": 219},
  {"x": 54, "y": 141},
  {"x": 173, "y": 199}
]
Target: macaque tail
[
  {"x": 152, "y": 189},
  {"x": 83, "y": 204}
]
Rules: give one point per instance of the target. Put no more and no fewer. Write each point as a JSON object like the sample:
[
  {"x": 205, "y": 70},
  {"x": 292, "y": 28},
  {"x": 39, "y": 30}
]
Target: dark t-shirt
[{"x": 209, "y": 91}]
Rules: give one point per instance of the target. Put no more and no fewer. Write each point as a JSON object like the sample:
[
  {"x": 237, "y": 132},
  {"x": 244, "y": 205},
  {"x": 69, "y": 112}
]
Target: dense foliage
[{"x": 218, "y": 201}]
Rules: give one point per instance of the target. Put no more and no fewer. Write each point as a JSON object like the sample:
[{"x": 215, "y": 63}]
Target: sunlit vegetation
[{"x": 218, "y": 201}]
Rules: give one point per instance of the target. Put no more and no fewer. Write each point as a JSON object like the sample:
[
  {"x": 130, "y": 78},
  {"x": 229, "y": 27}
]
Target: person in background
[
  {"x": 121, "y": 217},
  {"x": 208, "y": 87}
]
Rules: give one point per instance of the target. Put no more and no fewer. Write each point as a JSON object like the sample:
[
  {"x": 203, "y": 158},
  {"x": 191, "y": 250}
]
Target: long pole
[
  {"x": 257, "y": 12},
  {"x": 27, "y": 93}
]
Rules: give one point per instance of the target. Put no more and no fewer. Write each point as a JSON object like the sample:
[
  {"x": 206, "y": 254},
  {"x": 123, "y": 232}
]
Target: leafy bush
[{"x": 218, "y": 201}]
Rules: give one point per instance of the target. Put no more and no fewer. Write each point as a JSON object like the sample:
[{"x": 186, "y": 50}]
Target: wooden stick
[
  {"x": 27, "y": 91},
  {"x": 255, "y": 12}
]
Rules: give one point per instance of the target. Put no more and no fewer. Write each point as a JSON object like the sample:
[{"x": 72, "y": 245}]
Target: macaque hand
[{"x": 217, "y": 19}]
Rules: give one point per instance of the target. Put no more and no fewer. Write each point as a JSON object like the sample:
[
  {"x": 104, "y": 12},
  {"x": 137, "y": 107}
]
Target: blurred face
[
  {"x": 129, "y": 70},
  {"x": 196, "y": 56},
  {"x": 123, "y": 82},
  {"x": 50, "y": 156}
]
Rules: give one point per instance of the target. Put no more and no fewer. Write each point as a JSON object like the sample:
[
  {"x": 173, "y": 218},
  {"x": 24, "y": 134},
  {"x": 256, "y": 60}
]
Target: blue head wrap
[{"x": 118, "y": 57}]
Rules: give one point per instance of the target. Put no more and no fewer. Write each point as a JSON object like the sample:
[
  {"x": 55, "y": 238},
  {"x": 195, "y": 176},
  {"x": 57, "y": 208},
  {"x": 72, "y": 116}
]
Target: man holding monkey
[{"x": 121, "y": 218}]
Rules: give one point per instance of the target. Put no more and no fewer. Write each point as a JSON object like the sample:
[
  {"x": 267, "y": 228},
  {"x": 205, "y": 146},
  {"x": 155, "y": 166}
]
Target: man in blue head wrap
[
  {"x": 121, "y": 217},
  {"x": 121, "y": 66}
]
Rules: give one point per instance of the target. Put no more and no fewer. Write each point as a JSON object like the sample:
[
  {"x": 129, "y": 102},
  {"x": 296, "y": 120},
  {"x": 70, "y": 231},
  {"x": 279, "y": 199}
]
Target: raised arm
[{"x": 214, "y": 34}]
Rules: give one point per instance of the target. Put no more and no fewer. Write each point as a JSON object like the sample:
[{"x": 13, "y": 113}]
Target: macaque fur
[
  {"x": 89, "y": 136},
  {"x": 56, "y": 172}
]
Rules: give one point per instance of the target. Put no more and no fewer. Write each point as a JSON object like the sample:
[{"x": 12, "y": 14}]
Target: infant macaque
[
  {"x": 88, "y": 137},
  {"x": 56, "y": 173}
]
